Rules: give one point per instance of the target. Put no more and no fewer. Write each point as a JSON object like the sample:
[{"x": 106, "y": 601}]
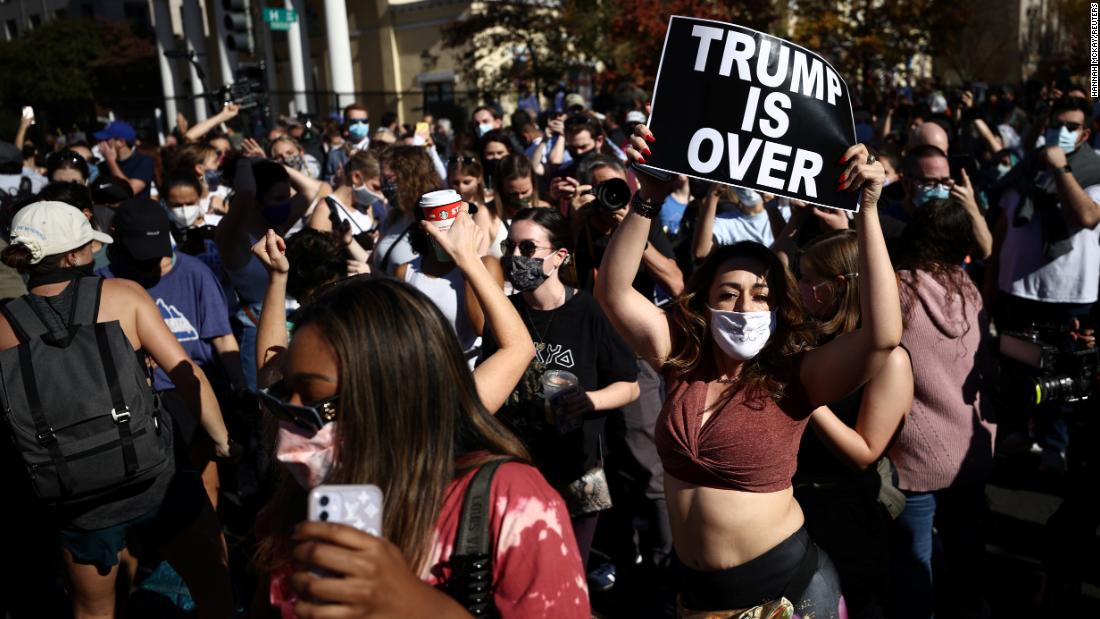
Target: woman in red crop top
[{"x": 741, "y": 385}]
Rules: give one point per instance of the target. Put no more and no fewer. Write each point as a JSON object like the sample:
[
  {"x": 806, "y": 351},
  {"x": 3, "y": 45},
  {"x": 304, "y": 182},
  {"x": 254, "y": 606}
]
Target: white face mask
[
  {"x": 741, "y": 335},
  {"x": 185, "y": 216}
]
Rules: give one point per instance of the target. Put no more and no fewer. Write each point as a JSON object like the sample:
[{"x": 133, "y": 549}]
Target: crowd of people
[{"x": 692, "y": 399}]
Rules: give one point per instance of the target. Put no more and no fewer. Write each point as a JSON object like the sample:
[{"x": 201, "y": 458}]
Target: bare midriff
[{"x": 715, "y": 529}]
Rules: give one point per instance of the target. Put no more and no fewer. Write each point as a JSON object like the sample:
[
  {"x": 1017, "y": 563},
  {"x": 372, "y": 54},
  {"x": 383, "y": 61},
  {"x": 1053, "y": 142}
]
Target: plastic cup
[
  {"x": 555, "y": 381},
  {"x": 441, "y": 207}
]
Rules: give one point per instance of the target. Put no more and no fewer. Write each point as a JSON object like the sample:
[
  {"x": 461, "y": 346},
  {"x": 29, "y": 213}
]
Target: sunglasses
[
  {"x": 462, "y": 160},
  {"x": 1072, "y": 126},
  {"x": 359, "y": 121},
  {"x": 527, "y": 249},
  {"x": 311, "y": 417}
]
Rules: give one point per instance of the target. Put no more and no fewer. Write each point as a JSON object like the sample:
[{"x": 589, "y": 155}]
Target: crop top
[{"x": 748, "y": 445}]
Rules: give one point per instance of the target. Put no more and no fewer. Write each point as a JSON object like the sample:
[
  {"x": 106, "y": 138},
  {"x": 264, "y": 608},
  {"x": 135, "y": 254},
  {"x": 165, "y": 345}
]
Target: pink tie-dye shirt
[{"x": 536, "y": 570}]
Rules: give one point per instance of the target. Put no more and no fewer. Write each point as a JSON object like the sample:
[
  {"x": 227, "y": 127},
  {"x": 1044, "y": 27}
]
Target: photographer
[{"x": 1049, "y": 244}]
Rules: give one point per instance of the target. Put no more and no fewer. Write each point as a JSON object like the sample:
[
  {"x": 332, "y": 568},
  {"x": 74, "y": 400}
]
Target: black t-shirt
[
  {"x": 576, "y": 337},
  {"x": 138, "y": 167},
  {"x": 589, "y": 255}
]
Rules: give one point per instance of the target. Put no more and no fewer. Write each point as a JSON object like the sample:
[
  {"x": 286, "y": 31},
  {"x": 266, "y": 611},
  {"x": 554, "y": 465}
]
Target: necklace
[{"x": 541, "y": 344}]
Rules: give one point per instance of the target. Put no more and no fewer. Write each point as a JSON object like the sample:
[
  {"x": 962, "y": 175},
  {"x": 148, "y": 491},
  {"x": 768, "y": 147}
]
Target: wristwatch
[
  {"x": 1064, "y": 169},
  {"x": 644, "y": 207}
]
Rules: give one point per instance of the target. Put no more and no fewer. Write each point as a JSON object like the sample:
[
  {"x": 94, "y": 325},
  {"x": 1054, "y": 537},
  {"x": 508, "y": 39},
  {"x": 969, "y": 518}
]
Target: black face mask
[
  {"x": 389, "y": 191},
  {"x": 525, "y": 274},
  {"x": 61, "y": 275}
]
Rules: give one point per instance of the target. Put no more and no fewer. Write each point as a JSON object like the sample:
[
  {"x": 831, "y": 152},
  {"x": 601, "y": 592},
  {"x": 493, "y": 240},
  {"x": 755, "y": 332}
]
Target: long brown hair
[
  {"x": 403, "y": 437},
  {"x": 415, "y": 174},
  {"x": 693, "y": 347},
  {"x": 509, "y": 169},
  {"x": 833, "y": 254}
]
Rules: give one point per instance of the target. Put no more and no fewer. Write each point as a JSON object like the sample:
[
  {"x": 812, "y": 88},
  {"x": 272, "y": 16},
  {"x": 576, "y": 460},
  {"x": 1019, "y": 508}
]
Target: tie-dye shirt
[{"x": 536, "y": 569}]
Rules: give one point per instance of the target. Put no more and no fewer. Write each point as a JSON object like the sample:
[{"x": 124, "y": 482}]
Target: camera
[
  {"x": 248, "y": 93},
  {"x": 612, "y": 194},
  {"x": 1039, "y": 371}
]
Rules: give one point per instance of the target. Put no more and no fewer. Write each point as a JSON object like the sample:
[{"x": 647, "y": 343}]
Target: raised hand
[
  {"x": 862, "y": 175},
  {"x": 461, "y": 242},
  {"x": 271, "y": 250}
]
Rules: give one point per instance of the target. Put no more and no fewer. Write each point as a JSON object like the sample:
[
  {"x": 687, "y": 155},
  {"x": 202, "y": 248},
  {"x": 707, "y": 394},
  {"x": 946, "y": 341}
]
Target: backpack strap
[
  {"x": 85, "y": 310},
  {"x": 120, "y": 412},
  {"x": 24, "y": 320},
  {"x": 42, "y": 429},
  {"x": 472, "y": 558}
]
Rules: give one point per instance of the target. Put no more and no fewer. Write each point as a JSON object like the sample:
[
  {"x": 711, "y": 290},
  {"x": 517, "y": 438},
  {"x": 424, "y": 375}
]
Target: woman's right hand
[
  {"x": 251, "y": 149},
  {"x": 859, "y": 174},
  {"x": 650, "y": 188},
  {"x": 271, "y": 250},
  {"x": 461, "y": 242}
]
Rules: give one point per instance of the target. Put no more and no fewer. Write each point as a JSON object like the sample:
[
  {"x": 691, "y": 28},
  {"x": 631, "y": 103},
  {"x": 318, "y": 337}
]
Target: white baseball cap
[{"x": 51, "y": 228}]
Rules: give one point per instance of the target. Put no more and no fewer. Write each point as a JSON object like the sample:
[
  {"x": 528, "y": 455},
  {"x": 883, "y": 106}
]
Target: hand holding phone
[
  {"x": 28, "y": 114},
  {"x": 358, "y": 506}
]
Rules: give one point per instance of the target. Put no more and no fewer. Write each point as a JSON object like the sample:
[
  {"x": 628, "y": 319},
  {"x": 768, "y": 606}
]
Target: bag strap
[
  {"x": 472, "y": 557},
  {"x": 24, "y": 320},
  {"x": 386, "y": 256},
  {"x": 85, "y": 309},
  {"x": 120, "y": 412},
  {"x": 42, "y": 429}
]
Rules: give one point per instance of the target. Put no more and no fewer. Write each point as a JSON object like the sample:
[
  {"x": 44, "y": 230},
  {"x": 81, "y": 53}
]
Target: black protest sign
[{"x": 744, "y": 108}]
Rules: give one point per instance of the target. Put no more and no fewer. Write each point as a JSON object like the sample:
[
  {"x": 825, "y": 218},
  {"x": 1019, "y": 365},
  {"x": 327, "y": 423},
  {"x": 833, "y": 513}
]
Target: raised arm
[
  {"x": 229, "y": 112},
  {"x": 498, "y": 375},
  {"x": 704, "y": 224},
  {"x": 272, "y": 337},
  {"x": 836, "y": 369},
  {"x": 231, "y": 235},
  {"x": 643, "y": 325},
  {"x": 304, "y": 184},
  {"x": 886, "y": 400}
]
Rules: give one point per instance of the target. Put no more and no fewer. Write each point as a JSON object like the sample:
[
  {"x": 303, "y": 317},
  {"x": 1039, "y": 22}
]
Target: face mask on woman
[
  {"x": 525, "y": 274},
  {"x": 185, "y": 216},
  {"x": 362, "y": 196},
  {"x": 308, "y": 458},
  {"x": 741, "y": 335},
  {"x": 213, "y": 178},
  {"x": 389, "y": 191}
]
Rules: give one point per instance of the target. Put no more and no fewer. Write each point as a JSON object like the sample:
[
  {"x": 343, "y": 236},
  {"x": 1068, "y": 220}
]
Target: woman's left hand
[
  {"x": 862, "y": 175},
  {"x": 372, "y": 578},
  {"x": 462, "y": 241}
]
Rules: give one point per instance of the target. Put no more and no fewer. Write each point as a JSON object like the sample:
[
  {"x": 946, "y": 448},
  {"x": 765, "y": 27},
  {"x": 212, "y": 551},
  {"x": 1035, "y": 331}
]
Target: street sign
[{"x": 280, "y": 19}]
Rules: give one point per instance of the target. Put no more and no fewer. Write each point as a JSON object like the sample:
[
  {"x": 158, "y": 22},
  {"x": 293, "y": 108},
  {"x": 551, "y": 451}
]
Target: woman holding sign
[{"x": 742, "y": 381}]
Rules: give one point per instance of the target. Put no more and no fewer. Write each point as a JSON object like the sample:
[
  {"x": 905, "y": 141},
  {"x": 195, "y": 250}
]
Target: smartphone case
[{"x": 359, "y": 506}]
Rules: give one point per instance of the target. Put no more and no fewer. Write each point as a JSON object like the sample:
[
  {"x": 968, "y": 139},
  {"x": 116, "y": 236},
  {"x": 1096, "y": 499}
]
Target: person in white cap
[{"x": 52, "y": 243}]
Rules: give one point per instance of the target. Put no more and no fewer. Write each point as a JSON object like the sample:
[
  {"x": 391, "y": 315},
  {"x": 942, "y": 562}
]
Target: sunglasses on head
[
  {"x": 527, "y": 249},
  {"x": 311, "y": 417},
  {"x": 1072, "y": 126},
  {"x": 462, "y": 160}
]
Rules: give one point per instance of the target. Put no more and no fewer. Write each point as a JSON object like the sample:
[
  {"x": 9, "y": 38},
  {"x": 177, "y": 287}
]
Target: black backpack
[
  {"x": 471, "y": 562},
  {"x": 79, "y": 408}
]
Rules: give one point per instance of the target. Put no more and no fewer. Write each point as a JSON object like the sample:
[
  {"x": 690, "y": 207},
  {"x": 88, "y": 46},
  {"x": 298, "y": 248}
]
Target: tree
[{"x": 503, "y": 41}]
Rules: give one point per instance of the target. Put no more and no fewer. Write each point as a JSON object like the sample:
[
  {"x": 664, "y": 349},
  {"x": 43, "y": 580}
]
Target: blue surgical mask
[
  {"x": 484, "y": 128},
  {"x": 213, "y": 178},
  {"x": 937, "y": 192},
  {"x": 1063, "y": 137},
  {"x": 359, "y": 130},
  {"x": 93, "y": 173}
]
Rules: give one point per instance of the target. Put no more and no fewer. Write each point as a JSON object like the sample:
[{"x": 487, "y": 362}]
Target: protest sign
[{"x": 744, "y": 108}]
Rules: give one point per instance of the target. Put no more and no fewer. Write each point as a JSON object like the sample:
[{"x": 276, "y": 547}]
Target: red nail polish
[
  {"x": 647, "y": 152},
  {"x": 649, "y": 138},
  {"x": 843, "y": 158},
  {"x": 843, "y": 177},
  {"x": 641, "y": 160}
]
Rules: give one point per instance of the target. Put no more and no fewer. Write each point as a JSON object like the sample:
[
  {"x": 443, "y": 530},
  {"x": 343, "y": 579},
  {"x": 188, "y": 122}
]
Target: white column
[
  {"x": 297, "y": 59},
  {"x": 227, "y": 58},
  {"x": 196, "y": 42},
  {"x": 339, "y": 51},
  {"x": 162, "y": 21}
]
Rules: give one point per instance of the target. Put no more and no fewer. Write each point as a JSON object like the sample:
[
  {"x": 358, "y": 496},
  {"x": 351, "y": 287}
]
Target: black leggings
[{"x": 772, "y": 575}]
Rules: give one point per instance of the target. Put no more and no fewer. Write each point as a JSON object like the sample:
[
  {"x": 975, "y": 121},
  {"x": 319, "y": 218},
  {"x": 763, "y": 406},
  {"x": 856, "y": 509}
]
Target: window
[
  {"x": 437, "y": 93},
  {"x": 11, "y": 29},
  {"x": 36, "y": 21}
]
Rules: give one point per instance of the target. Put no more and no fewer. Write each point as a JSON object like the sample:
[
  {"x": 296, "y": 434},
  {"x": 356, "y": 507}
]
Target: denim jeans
[{"x": 944, "y": 523}]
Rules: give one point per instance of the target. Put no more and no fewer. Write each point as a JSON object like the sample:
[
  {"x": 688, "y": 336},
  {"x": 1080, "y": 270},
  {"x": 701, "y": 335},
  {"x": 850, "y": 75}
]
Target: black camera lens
[
  {"x": 324, "y": 516},
  {"x": 324, "y": 501},
  {"x": 612, "y": 194}
]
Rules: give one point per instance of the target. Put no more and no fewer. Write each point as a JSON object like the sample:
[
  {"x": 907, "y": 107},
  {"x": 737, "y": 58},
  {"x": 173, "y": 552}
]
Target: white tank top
[
  {"x": 360, "y": 221},
  {"x": 500, "y": 237},
  {"x": 449, "y": 294}
]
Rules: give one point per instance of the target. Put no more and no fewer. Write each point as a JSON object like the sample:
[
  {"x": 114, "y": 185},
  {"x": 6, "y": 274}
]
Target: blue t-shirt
[
  {"x": 138, "y": 167},
  {"x": 192, "y": 304},
  {"x": 672, "y": 212},
  {"x": 735, "y": 226}
]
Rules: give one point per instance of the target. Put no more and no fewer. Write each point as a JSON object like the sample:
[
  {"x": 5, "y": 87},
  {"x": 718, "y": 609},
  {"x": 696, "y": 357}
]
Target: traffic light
[{"x": 236, "y": 25}]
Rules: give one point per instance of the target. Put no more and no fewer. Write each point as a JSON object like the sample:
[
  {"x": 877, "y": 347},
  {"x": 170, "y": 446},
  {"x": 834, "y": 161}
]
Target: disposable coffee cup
[
  {"x": 441, "y": 207},
  {"x": 555, "y": 381}
]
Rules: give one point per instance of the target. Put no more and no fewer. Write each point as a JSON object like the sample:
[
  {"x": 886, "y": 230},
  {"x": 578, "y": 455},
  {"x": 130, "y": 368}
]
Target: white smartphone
[
  {"x": 359, "y": 506},
  {"x": 28, "y": 113}
]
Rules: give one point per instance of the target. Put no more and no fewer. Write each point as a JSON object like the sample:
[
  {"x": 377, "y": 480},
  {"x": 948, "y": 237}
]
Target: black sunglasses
[
  {"x": 1072, "y": 126},
  {"x": 311, "y": 417},
  {"x": 527, "y": 249},
  {"x": 462, "y": 160}
]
